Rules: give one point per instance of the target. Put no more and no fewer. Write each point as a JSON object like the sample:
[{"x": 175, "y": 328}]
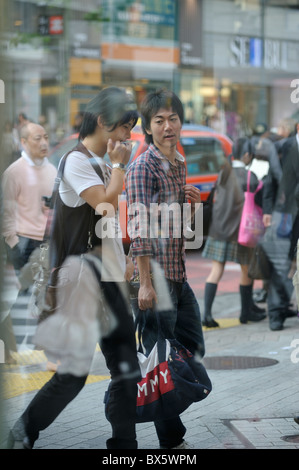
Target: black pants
[
  {"x": 20, "y": 254},
  {"x": 119, "y": 349}
]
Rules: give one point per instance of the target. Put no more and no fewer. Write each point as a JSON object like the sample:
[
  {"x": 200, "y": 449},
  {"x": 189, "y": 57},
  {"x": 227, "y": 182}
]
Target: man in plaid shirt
[{"x": 157, "y": 179}]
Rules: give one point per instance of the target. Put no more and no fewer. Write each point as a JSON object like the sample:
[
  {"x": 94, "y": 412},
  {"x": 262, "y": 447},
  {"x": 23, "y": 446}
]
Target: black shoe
[
  {"x": 289, "y": 313},
  {"x": 296, "y": 419},
  {"x": 257, "y": 309},
  {"x": 260, "y": 296},
  {"x": 276, "y": 326},
  {"x": 210, "y": 323},
  {"x": 253, "y": 316}
]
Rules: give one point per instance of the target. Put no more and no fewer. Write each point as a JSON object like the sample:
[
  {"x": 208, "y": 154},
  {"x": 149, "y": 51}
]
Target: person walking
[
  {"x": 222, "y": 242},
  {"x": 87, "y": 189},
  {"x": 25, "y": 183},
  {"x": 158, "y": 177},
  {"x": 280, "y": 212}
]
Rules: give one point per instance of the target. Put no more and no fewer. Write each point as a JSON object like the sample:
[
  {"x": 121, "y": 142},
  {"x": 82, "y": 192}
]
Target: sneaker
[{"x": 182, "y": 445}]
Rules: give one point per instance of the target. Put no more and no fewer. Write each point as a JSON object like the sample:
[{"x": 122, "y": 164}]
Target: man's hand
[
  {"x": 119, "y": 152},
  {"x": 267, "y": 219},
  {"x": 192, "y": 193},
  {"x": 146, "y": 297}
]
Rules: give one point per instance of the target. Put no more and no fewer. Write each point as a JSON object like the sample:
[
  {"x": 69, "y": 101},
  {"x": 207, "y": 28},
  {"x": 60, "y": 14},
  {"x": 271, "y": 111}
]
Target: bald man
[{"x": 25, "y": 183}]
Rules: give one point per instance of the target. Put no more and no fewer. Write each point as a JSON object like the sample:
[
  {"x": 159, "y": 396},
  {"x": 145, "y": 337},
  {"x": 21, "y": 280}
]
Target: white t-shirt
[{"x": 79, "y": 175}]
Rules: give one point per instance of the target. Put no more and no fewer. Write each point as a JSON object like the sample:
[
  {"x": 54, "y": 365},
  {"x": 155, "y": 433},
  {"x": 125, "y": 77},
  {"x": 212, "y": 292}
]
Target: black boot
[
  {"x": 209, "y": 296},
  {"x": 247, "y": 313}
]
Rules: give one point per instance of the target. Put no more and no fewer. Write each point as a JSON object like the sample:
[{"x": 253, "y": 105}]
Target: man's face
[
  {"x": 165, "y": 129},
  {"x": 36, "y": 144}
]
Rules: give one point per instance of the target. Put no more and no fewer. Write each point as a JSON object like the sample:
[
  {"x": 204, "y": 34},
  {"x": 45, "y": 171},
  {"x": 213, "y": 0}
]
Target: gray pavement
[{"x": 255, "y": 376}]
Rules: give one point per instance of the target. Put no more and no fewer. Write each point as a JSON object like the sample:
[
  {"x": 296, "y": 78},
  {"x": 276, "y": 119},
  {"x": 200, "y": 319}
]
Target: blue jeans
[{"x": 184, "y": 324}]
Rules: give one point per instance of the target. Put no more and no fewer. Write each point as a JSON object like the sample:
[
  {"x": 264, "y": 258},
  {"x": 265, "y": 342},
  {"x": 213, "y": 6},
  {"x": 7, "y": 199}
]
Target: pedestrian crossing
[{"x": 24, "y": 325}]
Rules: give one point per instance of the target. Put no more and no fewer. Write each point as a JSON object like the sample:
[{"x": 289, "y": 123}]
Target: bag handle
[
  {"x": 259, "y": 186},
  {"x": 248, "y": 180},
  {"x": 161, "y": 337}
]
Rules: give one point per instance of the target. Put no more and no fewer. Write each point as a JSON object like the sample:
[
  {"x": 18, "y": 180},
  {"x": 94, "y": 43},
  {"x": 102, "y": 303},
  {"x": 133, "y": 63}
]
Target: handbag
[
  {"x": 208, "y": 211},
  {"x": 251, "y": 227},
  {"x": 259, "y": 266},
  {"x": 171, "y": 381}
]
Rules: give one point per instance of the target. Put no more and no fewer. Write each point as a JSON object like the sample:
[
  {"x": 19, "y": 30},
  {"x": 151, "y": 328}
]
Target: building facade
[{"x": 232, "y": 62}]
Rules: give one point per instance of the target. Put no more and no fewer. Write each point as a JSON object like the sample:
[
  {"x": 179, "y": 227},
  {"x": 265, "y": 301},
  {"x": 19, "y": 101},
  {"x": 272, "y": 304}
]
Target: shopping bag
[
  {"x": 172, "y": 379},
  {"x": 251, "y": 227}
]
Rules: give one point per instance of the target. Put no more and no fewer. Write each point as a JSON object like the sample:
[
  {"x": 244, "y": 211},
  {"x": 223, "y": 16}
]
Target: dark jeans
[
  {"x": 119, "y": 349},
  {"x": 183, "y": 323},
  {"x": 280, "y": 287},
  {"x": 19, "y": 255}
]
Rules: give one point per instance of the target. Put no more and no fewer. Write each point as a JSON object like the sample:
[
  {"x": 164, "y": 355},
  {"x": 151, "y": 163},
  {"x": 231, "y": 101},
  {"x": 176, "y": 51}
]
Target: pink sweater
[{"x": 24, "y": 213}]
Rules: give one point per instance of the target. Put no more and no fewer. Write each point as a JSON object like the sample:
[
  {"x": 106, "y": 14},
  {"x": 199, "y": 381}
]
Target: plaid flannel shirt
[{"x": 152, "y": 183}]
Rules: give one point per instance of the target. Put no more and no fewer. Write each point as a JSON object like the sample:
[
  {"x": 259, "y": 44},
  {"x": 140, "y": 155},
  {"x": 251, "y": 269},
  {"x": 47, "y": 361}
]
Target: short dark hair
[
  {"x": 115, "y": 107},
  {"x": 153, "y": 102},
  {"x": 242, "y": 145}
]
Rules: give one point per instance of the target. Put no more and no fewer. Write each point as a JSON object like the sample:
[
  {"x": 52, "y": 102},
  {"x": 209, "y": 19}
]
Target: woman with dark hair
[{"x": 222, "y": 244}]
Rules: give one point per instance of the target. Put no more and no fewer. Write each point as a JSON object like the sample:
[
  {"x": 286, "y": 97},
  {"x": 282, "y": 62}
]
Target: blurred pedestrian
[
  {"x": 159, "y": 176},
  {"x": 25, "y": 184},
  {"x": 88, "y": 187},
  {"x": 280, "y": 211},
  {"x": 222, "y": 245},
  {"x": 267, "y": 167}
]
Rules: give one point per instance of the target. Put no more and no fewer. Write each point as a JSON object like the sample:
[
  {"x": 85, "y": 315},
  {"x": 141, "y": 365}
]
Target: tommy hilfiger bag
[{"x": 172, "y": 380}]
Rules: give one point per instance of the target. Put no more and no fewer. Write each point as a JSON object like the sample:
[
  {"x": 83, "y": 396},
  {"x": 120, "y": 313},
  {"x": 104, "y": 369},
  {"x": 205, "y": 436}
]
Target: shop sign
[
  {"x": 43, "y": 25},
  {"x": 187, "y": 55},
  {"x": 50, "y": 25},
  {"x": 248, "y": 52},
  {"x": 161, "y": 12},
  {"x": 55, "y": 25}
]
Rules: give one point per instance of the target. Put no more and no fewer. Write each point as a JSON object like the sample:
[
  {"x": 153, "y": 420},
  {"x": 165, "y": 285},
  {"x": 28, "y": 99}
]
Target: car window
[
  {"x": 70, "y": 143},
  {"x": 204, "y": 155}
]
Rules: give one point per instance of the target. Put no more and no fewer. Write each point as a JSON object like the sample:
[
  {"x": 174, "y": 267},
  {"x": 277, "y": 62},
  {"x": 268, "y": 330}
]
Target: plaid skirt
[{"x": 222, "y": 251}]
